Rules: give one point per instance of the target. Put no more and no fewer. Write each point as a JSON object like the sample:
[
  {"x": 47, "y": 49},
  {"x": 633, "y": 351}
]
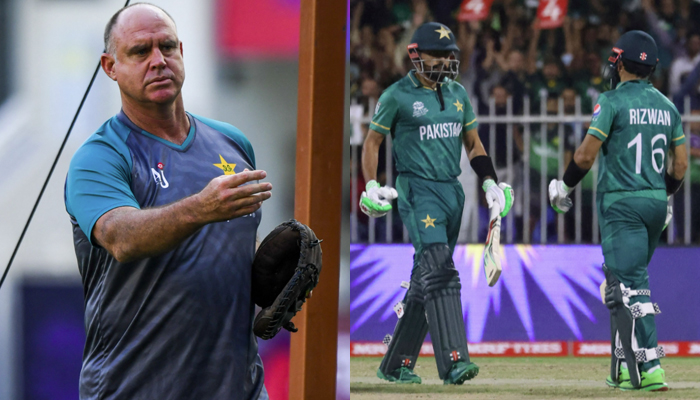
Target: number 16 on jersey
[{"x": 492, "y": 251}]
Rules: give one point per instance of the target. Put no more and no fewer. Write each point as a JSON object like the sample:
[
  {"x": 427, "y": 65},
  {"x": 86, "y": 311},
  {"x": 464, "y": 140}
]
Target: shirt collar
[
  {"x": 123, "y": 118},
  {"x": 642, "y": 81},
  {"x": 414, "y": 79}
]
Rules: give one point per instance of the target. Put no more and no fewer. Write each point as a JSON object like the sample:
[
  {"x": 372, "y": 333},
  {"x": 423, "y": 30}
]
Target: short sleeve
[
  {"x": 678, "y": 136},
  {"x": 385, "y": 114},
  {"x": 469, "y": 116},
  {"x": 99, "y": 180},
  {"x": 603, "y": 115}
]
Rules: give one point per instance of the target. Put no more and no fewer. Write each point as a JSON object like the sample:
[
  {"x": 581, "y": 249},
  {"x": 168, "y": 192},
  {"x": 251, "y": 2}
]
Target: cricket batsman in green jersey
[
  {"x": 429, "y": 117},
  {"x": 635, "y": 127}
]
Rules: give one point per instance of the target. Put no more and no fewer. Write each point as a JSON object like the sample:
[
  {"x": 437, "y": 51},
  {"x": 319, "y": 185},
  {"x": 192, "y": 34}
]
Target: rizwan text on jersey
[{"x": 650, "y": 116}]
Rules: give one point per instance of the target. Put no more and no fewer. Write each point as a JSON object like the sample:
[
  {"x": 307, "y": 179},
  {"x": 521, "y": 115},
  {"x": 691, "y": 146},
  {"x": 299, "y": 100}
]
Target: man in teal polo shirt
[
  {"x": 429, "y": 117},
  {"x": 635, "y": 127}
]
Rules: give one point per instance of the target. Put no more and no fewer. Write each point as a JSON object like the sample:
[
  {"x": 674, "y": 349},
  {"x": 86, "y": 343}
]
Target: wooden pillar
[{"x": 319, "y": 166}]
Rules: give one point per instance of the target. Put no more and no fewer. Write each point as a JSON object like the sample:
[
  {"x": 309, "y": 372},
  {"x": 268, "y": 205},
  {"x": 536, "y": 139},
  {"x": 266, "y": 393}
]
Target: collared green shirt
[
  {"x": 427, "y": 141},
  {"x": 638, "y": 125}
]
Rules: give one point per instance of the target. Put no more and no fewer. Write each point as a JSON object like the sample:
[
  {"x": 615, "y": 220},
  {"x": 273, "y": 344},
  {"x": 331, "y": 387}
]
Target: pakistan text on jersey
[
  {"x": 649, "y": 116},
  {"x": 440, "y": 131}
]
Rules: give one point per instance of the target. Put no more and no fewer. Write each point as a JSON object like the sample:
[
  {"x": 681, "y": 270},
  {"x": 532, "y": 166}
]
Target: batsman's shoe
[
  {"x": 400, "y": 375},
  {"x": 651, "y": 382},
  {"x": 461, "y": 371},
  {"x": 624, "y": 377}
]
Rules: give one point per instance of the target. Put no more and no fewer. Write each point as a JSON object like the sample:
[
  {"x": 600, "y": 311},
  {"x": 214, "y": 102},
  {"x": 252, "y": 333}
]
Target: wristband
[
  {"x": 371, "y": 185},
  {"x": 483, "y": 166},
  {"x": 672, "y": 184},
  {"x": 573, "y": 174}
]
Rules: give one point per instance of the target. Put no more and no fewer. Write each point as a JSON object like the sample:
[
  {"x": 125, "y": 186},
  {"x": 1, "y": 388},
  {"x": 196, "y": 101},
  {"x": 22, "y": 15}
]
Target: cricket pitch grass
[{"x": 522, "y": 378}]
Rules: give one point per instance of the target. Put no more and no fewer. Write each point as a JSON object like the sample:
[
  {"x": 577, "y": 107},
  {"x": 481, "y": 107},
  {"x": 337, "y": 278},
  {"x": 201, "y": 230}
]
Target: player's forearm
[
  {"x": 476, "y": 150},
  {"x": 129, "y": 234},
  {"x": 678, "y": 167},
  {"x": 676, "y": 170},
  {"x": 472, "y": 144},
  {"x": 370, "y": 160},
  {"x": 478, "y": 159},
  {"x": 583, "y": 159},
  {"x": 578, "y": 167},
  {"x": 585, "y": 155}
]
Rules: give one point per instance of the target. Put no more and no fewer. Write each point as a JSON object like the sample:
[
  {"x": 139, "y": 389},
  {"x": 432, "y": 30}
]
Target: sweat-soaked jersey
[
  {"x": 427, "y": 141},
  {"x": 638, "y": 125},
  {"x": 177, "y": 325}
]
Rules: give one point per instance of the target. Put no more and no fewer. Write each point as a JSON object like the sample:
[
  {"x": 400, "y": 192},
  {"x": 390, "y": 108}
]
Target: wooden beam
[{"x": 319, "y": 166}]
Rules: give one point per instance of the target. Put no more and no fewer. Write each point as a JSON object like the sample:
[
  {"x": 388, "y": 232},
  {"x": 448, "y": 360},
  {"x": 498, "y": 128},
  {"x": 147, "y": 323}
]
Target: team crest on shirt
[
  {"x": 226, "y": 167},
  {"x": 419, "y": 109},
  {"x": 596, "y": 112},
  {"x": 159, "y": 176}
]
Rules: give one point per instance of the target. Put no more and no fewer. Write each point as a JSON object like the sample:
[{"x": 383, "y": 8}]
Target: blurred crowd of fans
[{"x": 508, "y": 55}]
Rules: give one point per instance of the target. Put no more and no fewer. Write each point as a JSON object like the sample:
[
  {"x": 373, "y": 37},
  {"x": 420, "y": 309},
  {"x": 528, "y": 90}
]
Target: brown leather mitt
[{"x": 286, "y": 269}]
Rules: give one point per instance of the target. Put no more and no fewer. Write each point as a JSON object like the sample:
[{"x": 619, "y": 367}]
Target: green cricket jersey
[
  {"x": 427, "y": 141},
  {"x": 638, "y": 125}
]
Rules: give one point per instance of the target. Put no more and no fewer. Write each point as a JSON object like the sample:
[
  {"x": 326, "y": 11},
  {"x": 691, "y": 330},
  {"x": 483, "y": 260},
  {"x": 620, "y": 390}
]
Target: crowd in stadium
[{"x": 508, "y": 54}]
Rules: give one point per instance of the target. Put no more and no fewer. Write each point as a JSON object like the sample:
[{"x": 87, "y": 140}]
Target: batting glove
[
  {"x": 559, "y": 196},
  {"x": 669, "y": 212},
  {"x": 501, "y": 195},
  {"x": 376, "y": 200}
]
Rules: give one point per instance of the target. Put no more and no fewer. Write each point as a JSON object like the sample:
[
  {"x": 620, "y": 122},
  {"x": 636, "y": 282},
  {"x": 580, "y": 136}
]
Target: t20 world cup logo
[{"x": 419, "y": 109}]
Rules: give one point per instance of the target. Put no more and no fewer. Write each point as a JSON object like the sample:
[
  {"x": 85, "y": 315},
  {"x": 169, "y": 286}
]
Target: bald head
[
  {"x": 134, "y": 9},
  {"x": 144, "y": 56}
]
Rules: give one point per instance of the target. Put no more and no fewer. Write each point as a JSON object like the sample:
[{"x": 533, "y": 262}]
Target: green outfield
[{"x": 517, "y": 378}]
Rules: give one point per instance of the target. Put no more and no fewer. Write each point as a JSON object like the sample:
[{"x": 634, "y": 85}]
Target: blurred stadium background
[
  {"x": 241, "y": 63},
  {"x": 533, "y": 71}
]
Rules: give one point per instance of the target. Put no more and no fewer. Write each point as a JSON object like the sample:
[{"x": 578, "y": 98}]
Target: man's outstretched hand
[{"x": 232, "y": 196}]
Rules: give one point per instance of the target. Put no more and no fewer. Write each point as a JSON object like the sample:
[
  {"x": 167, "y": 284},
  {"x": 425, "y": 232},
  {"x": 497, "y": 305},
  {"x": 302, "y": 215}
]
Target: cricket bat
[{"x": 492, "y": 250}]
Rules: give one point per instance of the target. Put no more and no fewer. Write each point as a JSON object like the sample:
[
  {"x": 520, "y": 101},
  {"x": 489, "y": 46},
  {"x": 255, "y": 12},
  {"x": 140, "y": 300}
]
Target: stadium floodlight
[{"x": 53, "y": 166}]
